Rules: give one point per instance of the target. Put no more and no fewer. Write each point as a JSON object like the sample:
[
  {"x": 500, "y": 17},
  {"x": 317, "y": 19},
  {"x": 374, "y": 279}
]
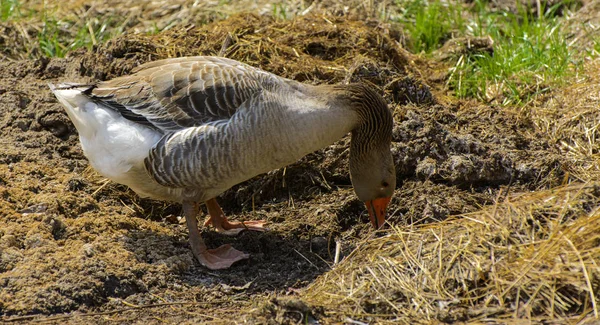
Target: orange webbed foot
[
  {"x": 218, "y": 220},
  {"x": 215, "y": 259}
]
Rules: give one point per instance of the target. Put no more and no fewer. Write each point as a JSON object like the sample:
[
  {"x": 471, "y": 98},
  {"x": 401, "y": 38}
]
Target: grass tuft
[
  {"x": 430, "y": 24},
  {"x": 530, "y": 55},
  {"x": 53, "y": 42},
  {"x": 9, "y": 9},
  {"x": 280, "y": 11}
]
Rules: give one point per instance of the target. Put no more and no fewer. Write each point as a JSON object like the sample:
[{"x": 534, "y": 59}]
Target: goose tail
[{"x": 72, "y": 97}]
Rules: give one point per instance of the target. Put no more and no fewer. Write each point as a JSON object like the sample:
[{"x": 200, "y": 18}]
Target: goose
[{"x": 187, "y": 129}]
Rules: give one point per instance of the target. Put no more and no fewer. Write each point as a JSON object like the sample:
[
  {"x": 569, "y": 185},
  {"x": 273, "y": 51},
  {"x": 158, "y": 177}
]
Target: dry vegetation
[
  {"x": 531, "y": 256},
  {"x": 521, "y": 183}
]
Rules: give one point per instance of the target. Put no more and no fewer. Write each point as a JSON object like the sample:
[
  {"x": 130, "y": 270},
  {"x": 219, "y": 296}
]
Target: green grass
[
  {"x": 57, "y": 36},
  {"x": 49, "y": 39},
  {"x": 530, "y": 54},
  {"x": 595, "y": 51},
  {"x": 280, "y": 11},
  {"x": 9, "y": 9},
  {"x": 430, "y": 24},
  {"x": 55, "y": 42}
]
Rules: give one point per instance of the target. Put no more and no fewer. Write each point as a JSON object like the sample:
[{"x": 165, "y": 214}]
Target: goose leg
[
  {"x": 222, "y": 225},
  {"x": 214, "y": 259}
]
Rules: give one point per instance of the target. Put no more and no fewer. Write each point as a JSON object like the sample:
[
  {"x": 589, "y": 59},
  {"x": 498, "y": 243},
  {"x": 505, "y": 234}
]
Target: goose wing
[
  {"x": 174, "y": 94},
  {"x": 220, "y": 154}
]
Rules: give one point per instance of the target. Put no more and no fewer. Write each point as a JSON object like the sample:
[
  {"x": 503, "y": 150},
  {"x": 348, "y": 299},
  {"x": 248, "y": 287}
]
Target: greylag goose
[{"x": 187, "y": 129}]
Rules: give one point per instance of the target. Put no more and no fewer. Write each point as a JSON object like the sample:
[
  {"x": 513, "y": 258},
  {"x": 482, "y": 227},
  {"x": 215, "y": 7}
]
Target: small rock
[
  {"x": 172, "y": 219},
  {"x": 88, "y": 250},
  {"x": 34, "y": 241},
  {"x": 36, "y": 208},
  {"x": 318, "y": 243},
  {"x": 9, "y": 241}
]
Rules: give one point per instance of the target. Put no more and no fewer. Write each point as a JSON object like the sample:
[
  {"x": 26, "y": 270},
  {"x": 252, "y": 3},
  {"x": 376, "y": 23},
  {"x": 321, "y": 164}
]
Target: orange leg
[
  {"x": 214, "y": 259},
  {"x": 222, "y": 225}
]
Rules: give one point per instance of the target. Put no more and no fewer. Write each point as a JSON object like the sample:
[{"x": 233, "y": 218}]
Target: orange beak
[{"x": 377, "y": 209}]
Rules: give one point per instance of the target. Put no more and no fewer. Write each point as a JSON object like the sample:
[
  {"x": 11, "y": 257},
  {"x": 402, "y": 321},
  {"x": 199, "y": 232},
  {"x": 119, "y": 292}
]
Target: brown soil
[{"x": 72, "y": 242}]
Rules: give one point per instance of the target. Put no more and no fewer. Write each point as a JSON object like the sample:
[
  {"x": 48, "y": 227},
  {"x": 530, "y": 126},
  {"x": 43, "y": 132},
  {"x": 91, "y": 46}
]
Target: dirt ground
[{"x": 76, "y": 248}]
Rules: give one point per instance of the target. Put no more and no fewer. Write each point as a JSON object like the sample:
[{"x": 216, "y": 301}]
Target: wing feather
[
  {"x": 174, "y": 94},
  {"x": 222, "y": 150}
]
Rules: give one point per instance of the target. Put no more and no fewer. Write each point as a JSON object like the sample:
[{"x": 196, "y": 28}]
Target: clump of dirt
[
  {"x": 70, "y": 241},
  {"x": 444, "y": 144},
  {"x": 289, "y": 311}
]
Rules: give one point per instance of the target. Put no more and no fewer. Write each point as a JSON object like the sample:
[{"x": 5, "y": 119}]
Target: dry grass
[
  {"x": 570, "y": 117},
  {"x": 311, "y": 48},
  {"x": 584, "y": 28},
  {"x": 84, "y": 21},
  {"x": 532, "y": 256}
]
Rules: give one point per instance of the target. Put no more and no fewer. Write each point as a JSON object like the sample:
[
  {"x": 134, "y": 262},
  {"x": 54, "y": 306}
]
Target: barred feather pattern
[
  {"x": 173, "y": 94},
  {"x": 263, "y": 135},
  {"x": 223, "y": 122}
]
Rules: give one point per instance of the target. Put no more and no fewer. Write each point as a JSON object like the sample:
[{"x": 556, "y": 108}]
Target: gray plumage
[{"x": 187, "y": 129}]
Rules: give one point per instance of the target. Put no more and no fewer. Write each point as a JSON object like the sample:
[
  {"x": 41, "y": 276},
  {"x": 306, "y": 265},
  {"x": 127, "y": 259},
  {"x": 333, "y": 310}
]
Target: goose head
[
  {"x": 374, "y": 180},
  {"x": 371, "y": 164}
]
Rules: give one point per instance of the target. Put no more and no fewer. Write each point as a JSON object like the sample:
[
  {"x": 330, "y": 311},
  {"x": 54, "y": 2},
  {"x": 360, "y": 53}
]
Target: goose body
[{"x": 187, "y": 129}]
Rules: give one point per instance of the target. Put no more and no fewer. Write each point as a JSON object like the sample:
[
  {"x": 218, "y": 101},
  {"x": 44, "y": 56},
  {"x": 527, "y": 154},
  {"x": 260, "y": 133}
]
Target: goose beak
[{"x": 377, "y": 209}]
